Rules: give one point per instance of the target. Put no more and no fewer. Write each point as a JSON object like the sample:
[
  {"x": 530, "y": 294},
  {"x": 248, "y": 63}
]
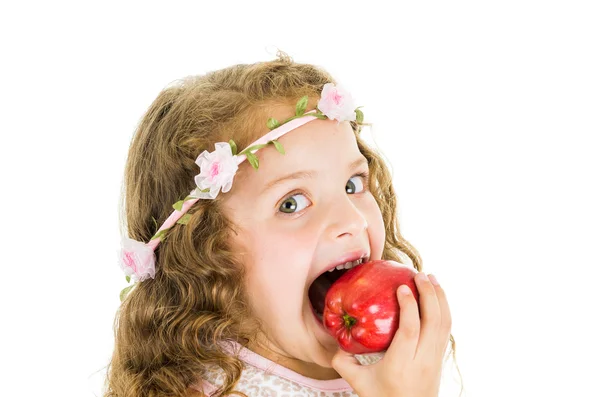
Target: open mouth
[{"x": 318, "y": 289}]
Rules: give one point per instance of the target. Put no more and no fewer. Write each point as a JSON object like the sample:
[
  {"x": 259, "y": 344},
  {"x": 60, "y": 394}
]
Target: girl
[{"x": 225, "y": 301}]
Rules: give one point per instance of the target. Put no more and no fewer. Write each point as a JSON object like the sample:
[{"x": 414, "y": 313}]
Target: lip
[{"x": 347, "y": 257}]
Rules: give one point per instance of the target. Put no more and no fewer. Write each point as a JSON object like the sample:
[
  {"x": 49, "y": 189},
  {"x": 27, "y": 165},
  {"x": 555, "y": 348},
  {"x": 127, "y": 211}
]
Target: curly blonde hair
[{"x": 168, "y": 329}]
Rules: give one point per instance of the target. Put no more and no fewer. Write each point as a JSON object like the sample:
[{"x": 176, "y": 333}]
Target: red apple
[{"x": 361, "y": 307}]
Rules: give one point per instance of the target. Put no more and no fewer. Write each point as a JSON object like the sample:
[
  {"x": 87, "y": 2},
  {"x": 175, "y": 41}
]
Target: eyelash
[{"x": 363, "y": 175}]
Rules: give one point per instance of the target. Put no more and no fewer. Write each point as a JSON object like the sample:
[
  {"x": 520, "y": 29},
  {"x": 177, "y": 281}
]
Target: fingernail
[
  {"x": 422, "y": 276},
  {"x": 404, "y": 290},
  {"x": 433, "y": 280}
]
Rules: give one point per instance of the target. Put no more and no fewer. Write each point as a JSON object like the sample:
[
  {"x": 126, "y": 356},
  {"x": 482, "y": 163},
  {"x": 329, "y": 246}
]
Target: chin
[
  {"x": 328, "y": 356},
  {"x": 323, "y": 346},
  {"x": 322, "y": 358},
  {"x": 326, "y": 351}
]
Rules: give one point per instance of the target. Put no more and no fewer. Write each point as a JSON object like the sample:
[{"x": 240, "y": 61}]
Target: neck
[{"x": 310, "y": 370}]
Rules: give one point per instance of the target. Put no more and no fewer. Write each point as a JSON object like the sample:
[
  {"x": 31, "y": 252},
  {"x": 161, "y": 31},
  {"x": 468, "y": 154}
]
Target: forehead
[
  {"x": 316, "y": 140},
  {"x": 318, "y": 144}
]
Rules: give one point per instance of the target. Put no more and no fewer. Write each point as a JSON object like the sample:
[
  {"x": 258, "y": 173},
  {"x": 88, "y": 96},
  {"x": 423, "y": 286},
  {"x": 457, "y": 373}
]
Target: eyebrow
[{"x": 307, "y": 174}]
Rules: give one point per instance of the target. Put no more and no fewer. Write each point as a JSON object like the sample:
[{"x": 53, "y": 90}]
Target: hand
[{"x": 412, "y": 365}]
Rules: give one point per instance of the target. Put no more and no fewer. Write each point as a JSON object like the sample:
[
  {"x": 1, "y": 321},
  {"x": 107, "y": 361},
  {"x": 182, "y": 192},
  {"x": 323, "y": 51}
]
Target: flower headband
[{"x": 218, "y": 168}]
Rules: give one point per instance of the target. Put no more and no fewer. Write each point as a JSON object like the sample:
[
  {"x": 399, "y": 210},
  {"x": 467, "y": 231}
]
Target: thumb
[{"x": 346, "y": 365}]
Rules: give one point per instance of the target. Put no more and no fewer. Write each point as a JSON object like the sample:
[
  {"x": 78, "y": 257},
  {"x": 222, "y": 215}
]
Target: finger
[
  {"x": 406, "y": 338},
  {"x": 348, "y": 367},
  {"x": 430, "y": 316},
  {"x": 445, "y": 315}
]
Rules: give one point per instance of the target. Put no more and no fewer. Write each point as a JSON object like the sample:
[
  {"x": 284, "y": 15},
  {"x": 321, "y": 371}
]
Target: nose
[{"x": 345, "y": 219}]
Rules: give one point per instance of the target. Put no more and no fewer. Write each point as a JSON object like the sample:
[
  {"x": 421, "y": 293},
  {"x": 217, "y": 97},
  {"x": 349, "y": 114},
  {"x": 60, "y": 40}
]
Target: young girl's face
[{"x": 297, "y": 216}]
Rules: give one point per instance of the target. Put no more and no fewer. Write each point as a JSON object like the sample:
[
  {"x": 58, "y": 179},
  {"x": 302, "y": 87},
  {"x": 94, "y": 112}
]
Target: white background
[{"x": 489, "y": 113}]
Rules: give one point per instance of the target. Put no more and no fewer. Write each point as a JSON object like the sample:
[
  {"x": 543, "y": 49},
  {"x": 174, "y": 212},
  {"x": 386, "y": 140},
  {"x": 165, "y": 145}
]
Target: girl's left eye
[{"x": 351, "y": 187}]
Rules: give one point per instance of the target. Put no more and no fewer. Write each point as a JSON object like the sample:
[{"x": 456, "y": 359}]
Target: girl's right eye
[{"x": 290, "y": 205}]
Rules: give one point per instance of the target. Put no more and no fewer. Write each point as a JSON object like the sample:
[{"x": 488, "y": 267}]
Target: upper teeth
[{"x": 347, "y": 265}]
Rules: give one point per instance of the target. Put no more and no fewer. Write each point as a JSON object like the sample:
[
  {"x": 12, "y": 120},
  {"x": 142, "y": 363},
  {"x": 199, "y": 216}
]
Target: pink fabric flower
[
  {"x": 336, "y": 103},
  {"x": 137, "y": 259},
  {"x": 217, "y": 169}
]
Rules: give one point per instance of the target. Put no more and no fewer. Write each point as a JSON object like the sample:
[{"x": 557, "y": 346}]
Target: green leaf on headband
[
  {"x": 128, "y": 278},
  {"x": 272, "y": 123},
  {"x": 359, "y": 116},
  {"x": 252, "y": 159},
  {"x": 197, "y": 191},
  {"x": 179, "y": 205},
  {"x": 160, "y": 235},
  {"x": 278, "y": 146},
  {"x": 301, "y": 105},
  {"x": 255, "y": 147},
  {"x": 155, "y": 223},
  {"x": 233, "y": 147},
  {"x": 184, "y": 219},
  {"x": 125, "y": 291},
  {"x": 319, "y": 116}
]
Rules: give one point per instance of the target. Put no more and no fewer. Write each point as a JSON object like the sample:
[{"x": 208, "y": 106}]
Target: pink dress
[{"x": 263, "y": 377}]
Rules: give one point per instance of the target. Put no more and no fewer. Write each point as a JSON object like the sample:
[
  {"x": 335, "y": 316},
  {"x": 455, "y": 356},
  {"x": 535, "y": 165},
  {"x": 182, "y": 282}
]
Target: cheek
[
  {"x": 279, "y": 259},
  {"x": 376, "y": 228},
  {"x": 275, "y": 245}
]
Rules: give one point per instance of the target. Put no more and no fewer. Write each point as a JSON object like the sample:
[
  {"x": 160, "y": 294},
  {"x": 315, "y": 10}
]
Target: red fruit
[{"x": 361, "y": 307}]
